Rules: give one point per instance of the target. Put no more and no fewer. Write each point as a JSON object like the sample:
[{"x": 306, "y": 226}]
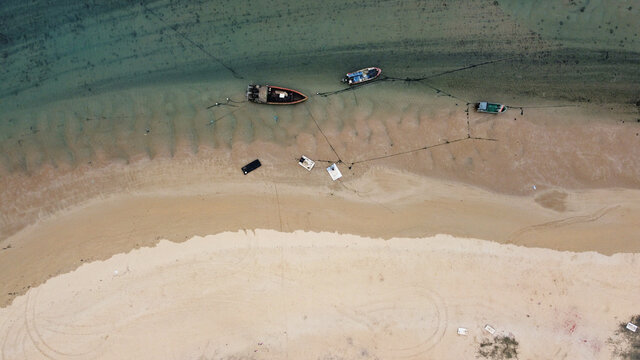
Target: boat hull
[
  {"x": 274, "y": 95},
  {"x": 362, "y": 76}
]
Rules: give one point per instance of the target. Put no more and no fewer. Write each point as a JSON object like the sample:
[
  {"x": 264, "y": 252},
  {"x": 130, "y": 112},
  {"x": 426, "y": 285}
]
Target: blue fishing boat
[{"x": 362, "y": 76}]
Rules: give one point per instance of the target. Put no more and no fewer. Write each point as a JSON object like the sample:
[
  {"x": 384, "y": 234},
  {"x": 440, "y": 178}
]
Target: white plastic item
[
  {"x": 334, "y": 172},
  {"x": 488, "y": 328}
]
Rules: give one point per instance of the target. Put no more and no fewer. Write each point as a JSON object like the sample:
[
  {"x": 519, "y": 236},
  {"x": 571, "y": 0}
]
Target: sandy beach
[
  {"x": 97, "y": 280},
  {"x": 565, "y": 179},
  {"x": 267, "y": 294},
  {"x": 127, "y": 229}
]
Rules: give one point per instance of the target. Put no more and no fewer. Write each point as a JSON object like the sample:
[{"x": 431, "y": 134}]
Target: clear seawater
[{"x": 78, "y": 77}]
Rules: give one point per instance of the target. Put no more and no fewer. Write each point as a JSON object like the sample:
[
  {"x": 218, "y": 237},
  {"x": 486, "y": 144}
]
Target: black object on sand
[{"x": 251, "y": 166}]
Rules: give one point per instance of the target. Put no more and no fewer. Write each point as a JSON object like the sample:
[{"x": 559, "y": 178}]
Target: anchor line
[
  {"x": 351, "y": 88},
  {"x": 540, "y": 106},
  {"x": 389, "y": 78},
  {"x": 323, "y": 134},
  {"x": 213, "y": 121},
  {"x": 446, "y": 142},
  {"x": 439, "y": 91},
  {"x": 192, "y": 42},
  {"x": 418, "y": 79},
  {"x": 227, "y": 103}
]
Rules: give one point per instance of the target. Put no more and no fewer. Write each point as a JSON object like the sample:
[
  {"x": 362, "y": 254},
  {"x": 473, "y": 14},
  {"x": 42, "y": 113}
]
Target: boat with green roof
[{"x": 491, "y": 108}]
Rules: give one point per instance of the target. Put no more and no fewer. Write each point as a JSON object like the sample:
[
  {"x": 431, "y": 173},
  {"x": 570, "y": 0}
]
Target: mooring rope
[
  {"x": 446, "y": 142},
  {"x": 228, "y": 102},
  {"x": 417, "y": 79},
  {"x": 323, "y": 134},
  {"x": 192, "y": 42}
]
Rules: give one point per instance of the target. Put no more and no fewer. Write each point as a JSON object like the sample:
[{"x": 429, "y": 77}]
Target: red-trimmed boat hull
[{"x": 274, "y": 95}]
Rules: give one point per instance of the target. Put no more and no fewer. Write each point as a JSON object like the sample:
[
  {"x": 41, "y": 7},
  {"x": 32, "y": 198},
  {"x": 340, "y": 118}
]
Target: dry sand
[{"x": 301, "y": 295}]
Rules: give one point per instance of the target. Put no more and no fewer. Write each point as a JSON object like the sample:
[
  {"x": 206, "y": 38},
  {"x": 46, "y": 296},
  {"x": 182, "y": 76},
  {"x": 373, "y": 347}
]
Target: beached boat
[
  {"x": 266, "y": 94},
  {"x": 492, "y": 108},
  {"x": 362, "y": 76}
]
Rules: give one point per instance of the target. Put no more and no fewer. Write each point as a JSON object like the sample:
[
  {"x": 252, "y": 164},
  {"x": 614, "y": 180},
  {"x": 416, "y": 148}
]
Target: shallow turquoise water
[
  {"x": 61, "y": 49},
  {"x": 71, "y": 51}
]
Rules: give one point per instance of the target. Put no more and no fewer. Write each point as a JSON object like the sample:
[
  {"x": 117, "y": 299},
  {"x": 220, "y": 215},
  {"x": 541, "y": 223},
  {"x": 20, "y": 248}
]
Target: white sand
[{"x": 271, "y": 295}]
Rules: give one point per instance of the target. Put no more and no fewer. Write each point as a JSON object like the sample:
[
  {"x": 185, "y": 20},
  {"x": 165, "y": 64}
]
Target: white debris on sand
[
  {"x": 488, "y": 328},
  {"x": 334, "y": 172}
]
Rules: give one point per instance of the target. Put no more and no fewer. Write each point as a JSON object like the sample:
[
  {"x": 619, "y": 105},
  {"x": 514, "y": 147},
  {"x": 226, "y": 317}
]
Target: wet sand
[{"x": 68, "y": 158}]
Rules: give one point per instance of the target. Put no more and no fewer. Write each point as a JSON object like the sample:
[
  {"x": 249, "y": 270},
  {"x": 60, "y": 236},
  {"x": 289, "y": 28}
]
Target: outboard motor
[{"x": 251, "y": 92}]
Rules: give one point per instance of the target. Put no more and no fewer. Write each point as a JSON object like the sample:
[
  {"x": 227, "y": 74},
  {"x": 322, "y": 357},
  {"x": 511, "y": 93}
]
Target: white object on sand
[
  {"x": 488, "y": 328},
  {"x": 462, "y": 331},
  {"x": 534, "y": 187},
  {"x": 632, "y": 327},
  {"x": 334, "y": 172},
  {"x": 306, "y": 163}
]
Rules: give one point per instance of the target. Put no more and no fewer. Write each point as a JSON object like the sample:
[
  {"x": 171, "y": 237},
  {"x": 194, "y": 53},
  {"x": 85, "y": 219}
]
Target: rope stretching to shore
[{"x": 417, "y": 79}]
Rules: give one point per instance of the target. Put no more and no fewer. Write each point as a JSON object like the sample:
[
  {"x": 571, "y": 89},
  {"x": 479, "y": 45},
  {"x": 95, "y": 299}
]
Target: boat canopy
[
  {"x": 262, "y": 94},
  {"x": 356, "y": 76}
]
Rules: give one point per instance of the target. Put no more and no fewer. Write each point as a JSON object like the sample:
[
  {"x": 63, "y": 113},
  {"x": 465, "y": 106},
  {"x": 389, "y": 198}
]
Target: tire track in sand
[
  {"x": 555, "y": 224},
  {"x": 35, "y": 335},
  {"x": 389, "y": 315}
]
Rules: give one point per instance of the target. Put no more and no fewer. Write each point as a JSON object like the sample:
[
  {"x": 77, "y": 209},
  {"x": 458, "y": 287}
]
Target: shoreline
[
  {"x": 381, "y": 203},
  {"x": 560, "y": 178},
  {"x": 564, "y": 149}
]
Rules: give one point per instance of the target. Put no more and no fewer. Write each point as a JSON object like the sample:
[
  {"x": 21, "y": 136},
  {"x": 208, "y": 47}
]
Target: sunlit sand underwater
[{"x": 77, "y": 51}]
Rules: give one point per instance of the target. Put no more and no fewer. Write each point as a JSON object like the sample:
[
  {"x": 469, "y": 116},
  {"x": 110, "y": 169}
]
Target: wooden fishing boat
[
  {"x": 491, "y": 108},
  {"x": 362, "y": 76},
  {"x": 274, "y": 95}
]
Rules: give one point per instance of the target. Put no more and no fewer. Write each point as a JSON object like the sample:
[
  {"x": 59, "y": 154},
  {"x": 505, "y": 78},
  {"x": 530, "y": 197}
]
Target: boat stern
[
  {"x": 257, "y": 93},
  {"x": 491, "y": 108},
  {"x": 252, "y": 92}
]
